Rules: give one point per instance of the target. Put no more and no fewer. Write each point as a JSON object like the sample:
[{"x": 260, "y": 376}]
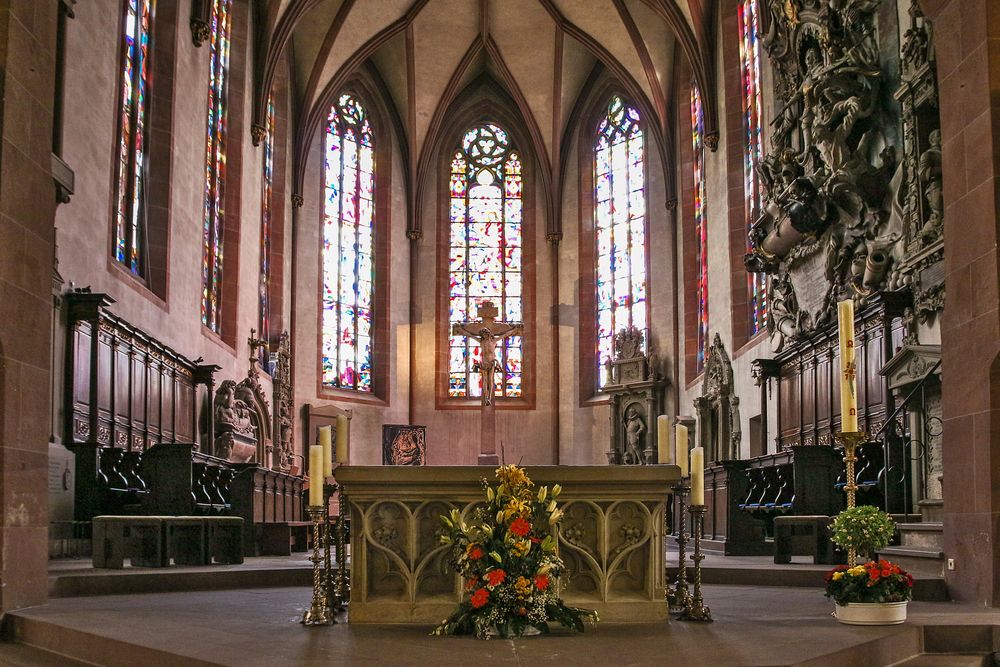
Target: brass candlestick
[
  {"x": 342, "y": 583},
  {"x": 696, "y": 610},
  {"x": 317, "y": 612},
  {"x": 332, "y": 601},
  {"x": 851, "y": 440},
  {"x": 679, "y": 599}
]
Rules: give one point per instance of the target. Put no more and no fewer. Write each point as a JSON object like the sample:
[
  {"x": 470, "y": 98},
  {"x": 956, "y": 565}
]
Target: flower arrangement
[
  {"x": 875, "y": 581},
  {"x": 865, "y": 529},
  {"x": 508, "y": 562}
]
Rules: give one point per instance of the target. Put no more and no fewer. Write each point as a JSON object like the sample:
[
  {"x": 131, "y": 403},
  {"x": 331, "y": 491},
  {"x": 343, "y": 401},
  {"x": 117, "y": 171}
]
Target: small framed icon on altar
[{"x": 404, "y": 445}]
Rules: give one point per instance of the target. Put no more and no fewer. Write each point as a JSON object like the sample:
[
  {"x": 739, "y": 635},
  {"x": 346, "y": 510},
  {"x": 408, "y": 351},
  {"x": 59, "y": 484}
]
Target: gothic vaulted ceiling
[{"x": 427, "y": 51}]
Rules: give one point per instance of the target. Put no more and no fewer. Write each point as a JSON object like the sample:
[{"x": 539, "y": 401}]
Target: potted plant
[{"x": 876, "y": 592}]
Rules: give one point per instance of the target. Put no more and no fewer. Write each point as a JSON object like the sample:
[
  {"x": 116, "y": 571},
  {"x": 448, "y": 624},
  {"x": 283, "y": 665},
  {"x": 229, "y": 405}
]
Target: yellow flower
[
  {"x": 521, "y": 547},
  {"x": 522, "y": 587},
  {"x": 515, "y": 508},
  {"x": 513, "y": 477},
  {"x": 837, "y": 576}
]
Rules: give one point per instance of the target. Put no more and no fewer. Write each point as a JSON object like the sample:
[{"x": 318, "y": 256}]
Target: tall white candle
[
  {"x": 343, "y": 438},
  {"x": 698, "y": 476},
  {"x": 662, "y": 439},
  {"x": 316, "y": 475},
  {"x": 848, "y": 368},
  {"x": 326, "y": 441},
  {"x": 681, "y": 448}
]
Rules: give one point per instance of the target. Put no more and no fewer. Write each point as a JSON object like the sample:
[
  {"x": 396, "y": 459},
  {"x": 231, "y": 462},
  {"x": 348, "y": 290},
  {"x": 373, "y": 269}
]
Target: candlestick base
[
  {"x": 317, "y": 614},
  {"x": 696, "y": 610},
  {"x": 679, "y": 599}
]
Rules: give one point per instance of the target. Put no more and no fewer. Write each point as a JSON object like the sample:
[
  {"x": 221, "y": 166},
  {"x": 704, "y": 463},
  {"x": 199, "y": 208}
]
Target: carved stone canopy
[
  {"x": 718, "y": 408},
  {"x": 910, "y": 365}
]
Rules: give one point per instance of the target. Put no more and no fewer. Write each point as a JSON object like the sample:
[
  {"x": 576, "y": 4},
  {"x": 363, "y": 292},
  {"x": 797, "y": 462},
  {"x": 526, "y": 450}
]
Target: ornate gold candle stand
[
  {"x": 332, "y": 601},
  {"x": 850, "y": 440},
  {"x": 696, "y": 610},
  {"x": 678, "y": 600},
  {"x": 342, "y": 583},
  {"x": 317, "y": 613}
]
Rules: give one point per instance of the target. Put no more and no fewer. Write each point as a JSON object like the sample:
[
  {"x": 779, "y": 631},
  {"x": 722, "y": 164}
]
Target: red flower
[
  {"x": 541, "y": 582},
  {"x": 480, "y": 598},
  {"x": 535, "y": 540},
  {"x": 475, "y": 553},
  {"x": 520, "y": 526},
  {"x": 470, "y": 584},
  {"x": 495, "y": 577}
]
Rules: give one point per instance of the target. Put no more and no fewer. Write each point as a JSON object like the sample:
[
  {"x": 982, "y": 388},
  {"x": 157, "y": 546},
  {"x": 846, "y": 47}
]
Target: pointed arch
[{"x": 487, "y": 102}]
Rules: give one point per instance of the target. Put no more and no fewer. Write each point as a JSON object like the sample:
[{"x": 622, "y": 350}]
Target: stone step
[
  {"x": 947, "y": 660},
  {"x": 916, "y": 560},
  {"x": 932, "y": 509},
  {"x": 925, "y": 534}
]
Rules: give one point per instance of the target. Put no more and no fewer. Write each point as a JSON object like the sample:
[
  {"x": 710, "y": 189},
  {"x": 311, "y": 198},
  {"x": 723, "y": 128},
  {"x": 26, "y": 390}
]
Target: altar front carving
[{"x": 611, "y": 538}]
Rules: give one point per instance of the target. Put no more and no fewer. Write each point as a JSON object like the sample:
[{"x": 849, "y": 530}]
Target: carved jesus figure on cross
[{"x": 487, "y": 332}]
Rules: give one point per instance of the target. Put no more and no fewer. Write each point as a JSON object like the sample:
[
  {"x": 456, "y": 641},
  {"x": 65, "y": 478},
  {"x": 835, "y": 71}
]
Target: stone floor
[{"x": 259, "y": 626}]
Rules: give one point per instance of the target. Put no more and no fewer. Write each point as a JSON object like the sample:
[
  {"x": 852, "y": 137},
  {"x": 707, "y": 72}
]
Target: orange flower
[
  {"x": 542, "y": 582},
  {"x": 480, "y": 598},
  {"x": 520, "y": 527},
  {"x": 495, "y": 577},
  {"x": 474, "y": 552}
]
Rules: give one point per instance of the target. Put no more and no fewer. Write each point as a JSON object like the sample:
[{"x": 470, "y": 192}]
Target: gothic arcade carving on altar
[
  {"x": 636, "y": 389},
  {"x": 842, "y": 213},
  {"x": 718, "y": 409}
]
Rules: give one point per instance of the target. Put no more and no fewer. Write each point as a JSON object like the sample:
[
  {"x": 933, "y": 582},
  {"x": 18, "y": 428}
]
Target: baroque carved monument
[{"x": 635, "y": 387}]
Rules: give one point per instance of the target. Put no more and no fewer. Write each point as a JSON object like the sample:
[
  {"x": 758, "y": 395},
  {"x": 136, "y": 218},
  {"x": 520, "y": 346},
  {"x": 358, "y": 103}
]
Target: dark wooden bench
[
  {"x": 283, "y": 537},
  {"x": 804, "y": 535}
]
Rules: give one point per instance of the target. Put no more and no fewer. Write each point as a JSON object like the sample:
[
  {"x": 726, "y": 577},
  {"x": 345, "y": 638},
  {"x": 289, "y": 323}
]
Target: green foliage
[
  {"x": 507, "y": 557},
  {"x": 865, "y": 529}
]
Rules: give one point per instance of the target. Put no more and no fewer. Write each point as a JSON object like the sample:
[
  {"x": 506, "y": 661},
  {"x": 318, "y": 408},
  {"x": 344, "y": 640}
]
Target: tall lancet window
[
  {"x": 620, "y": 226},
  {"x": 348, "y": 247},
  {"x": 486, "y": 244},
  {"x": 215, "y": 164},
  {"x": 749, "y": 15},
  {"x": 266, "y": 224},
  {"x": 133, "y": 122},
  {"x": 700, "y": 223}
]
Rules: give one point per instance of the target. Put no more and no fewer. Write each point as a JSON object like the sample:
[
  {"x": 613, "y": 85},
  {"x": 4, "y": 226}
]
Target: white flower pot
[{"x": 871, "y": 613}]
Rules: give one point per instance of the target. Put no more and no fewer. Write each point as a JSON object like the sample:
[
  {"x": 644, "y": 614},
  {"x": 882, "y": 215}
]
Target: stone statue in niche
[
  {"x": 635, "y": 386},
  {"x": 634, "y": 428},
  {"x": 930, "y": 175},
  {"x": 718, "y": 408}
]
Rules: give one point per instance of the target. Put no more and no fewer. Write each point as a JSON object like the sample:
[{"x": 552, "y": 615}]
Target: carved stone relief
[
  {"x": 718, "y": 409},
  {"x": 839, "y": 217}
]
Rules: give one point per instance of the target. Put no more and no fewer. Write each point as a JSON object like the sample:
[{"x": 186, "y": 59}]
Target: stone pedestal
[{"x": 611, "y": 538}]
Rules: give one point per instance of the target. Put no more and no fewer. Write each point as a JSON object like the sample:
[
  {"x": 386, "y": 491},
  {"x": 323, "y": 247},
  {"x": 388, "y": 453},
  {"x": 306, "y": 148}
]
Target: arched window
[
  {"x": 215, "y": 164},
  {"x": 348, "y": 270},
  {"x": 130, "y": 182},
  {"x": 700, "y": 224},
  {"x": 486, "y": 245},
  {"x": 749, "y": 21},
  {"x": 620, "y": 227},
  {"x": 266, "y": 226}
]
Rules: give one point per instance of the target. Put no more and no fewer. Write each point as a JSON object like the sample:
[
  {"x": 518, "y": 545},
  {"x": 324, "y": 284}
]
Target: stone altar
[{"x": 611, "y": 538}]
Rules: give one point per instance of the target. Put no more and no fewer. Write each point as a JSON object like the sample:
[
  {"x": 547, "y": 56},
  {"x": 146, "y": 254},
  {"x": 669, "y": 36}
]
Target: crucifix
[{"x": 488, "y": 332}]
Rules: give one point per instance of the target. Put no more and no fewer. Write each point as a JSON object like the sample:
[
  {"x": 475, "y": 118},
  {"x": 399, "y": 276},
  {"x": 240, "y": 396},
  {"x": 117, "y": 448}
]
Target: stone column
[
  {"x": 27, "y": 231},
  {"x": 967, "y": 38}
]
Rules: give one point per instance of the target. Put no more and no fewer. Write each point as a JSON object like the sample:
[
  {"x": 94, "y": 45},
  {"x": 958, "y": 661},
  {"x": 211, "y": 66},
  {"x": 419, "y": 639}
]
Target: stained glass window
[
  {"x": 348, "y": 246},
  {"x": 215, "y": 164},
  {"x": 700, "y": 222},
  {"x": 132, "y": 136},
  {"x": 485, "y": 255},
  {"x": 266, "y": 200},
  {"x": 749, "y": 14},
  {"x": 620, "y": 226}
]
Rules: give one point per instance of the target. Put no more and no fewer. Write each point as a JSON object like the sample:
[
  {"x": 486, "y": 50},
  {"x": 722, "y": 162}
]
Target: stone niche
[
  {"x": 635, "y": 388},
  {"x": 611, "y": 538},
  {"x": 718, "y": 408}
]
